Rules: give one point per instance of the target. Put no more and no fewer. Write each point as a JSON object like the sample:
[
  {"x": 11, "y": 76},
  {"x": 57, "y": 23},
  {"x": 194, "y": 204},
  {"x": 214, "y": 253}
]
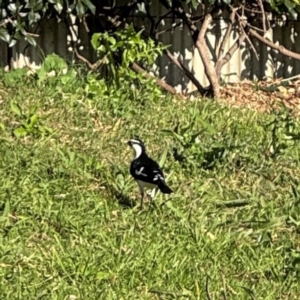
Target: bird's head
[{"x": 138, "y": 146}]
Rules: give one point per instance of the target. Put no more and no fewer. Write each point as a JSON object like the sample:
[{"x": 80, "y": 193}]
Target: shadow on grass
[
  {"x": 120, "y": 197},
  {"x": 216, "y": 154},
  {"x": 211, "y": 158},
  {"x": 124, "y": 200}
]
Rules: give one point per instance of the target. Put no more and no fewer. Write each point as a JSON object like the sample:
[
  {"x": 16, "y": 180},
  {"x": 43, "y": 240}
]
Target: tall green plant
[{"x": 120, "y": 50}]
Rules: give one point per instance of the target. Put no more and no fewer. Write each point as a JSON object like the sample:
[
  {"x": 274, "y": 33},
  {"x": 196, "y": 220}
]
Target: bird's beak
[{"x": 129, "y": 143}]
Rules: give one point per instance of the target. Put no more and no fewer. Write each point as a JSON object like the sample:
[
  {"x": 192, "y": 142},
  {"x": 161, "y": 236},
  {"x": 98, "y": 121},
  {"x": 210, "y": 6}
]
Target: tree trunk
[{"x": 205, "y": 56}]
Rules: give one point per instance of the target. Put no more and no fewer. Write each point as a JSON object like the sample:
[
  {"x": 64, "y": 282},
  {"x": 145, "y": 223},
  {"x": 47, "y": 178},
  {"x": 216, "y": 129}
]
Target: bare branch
[
  {"x": 223, "y": 60},
  {"x": 7, "y": 20},
  {"x": 168, "y": 29},
  {"x": 263, "y": 15},
  {"x": 86, "y": 27},
  {"x": 178, "y": 63},
  {"x": 94, "y": 66},
  {"x": 220, "y": 63},
  {"x": 243, "y": 22},
  {"x": 279, "y": 48},
  {"x": 265, "y": 20},
  {"x": 185, "y": 71},
  {"x": 227, "y": 34},
  {"x": 162, "y": 17},
  {"x": 119, "y": 13},
  {"x": 252, "y": 10},
  {"x": 181, "y": 14},
  {"x": 255, "y": 28},
  {"x": 159, "y": 81},
  {"x": 291, "y": 78}
]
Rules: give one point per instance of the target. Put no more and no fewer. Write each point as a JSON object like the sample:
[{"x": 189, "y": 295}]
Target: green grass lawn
[{"x": 68, "y": 229}]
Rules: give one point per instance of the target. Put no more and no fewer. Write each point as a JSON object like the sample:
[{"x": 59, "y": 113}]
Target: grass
[{"x": 67, "y": 227}]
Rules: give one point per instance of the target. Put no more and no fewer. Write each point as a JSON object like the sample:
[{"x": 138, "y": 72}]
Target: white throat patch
[
  {"x": 134, "y": 141},
  {"x": 138, "y": 150}
]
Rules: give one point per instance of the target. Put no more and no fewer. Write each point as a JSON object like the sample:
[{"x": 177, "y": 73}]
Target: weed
[{"x": 29, "y": 123}]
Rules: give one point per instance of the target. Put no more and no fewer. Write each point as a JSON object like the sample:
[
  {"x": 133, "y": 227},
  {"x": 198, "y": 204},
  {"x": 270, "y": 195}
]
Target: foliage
[
  {"x": 29, "y": 123},
  {"x": 55, "y": 72},
  {"x": 68, "y": 230},
  {"x": 119, "y": 47},
  {"x": 13, "y": 78},
  {"x": 110, "y": 95},
  {"x": 18, "y": 18},
  {"x": 129, "y": 43},
  {"x": 292, "y": 6},
  {"x": 123, "y": 48},
  {"x": 118, "y": 52},
  {"x": 280, "y": 6}
]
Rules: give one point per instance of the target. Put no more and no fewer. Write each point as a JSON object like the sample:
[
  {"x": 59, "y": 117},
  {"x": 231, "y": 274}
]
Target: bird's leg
[
  {"x": 142, "y": 199},
  {"x": 142, "y": 194},
  {"x": 152, "y": 195}
]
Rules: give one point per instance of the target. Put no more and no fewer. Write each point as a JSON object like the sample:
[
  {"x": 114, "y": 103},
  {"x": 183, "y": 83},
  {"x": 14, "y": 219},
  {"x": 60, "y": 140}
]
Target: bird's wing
[{"x": 148, "y": 171}]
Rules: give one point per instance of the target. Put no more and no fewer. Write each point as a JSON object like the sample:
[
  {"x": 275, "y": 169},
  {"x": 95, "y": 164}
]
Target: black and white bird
[{"x": 146, "y": 171}]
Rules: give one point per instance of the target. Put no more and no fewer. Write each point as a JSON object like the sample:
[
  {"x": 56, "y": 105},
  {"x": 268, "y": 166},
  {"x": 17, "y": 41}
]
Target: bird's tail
[{"x": 164, "y": 188}]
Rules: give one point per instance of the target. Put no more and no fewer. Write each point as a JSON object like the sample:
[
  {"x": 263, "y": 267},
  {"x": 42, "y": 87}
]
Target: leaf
[
  {"x": 103, "y": 275},
  {"x": 90, "y": 5},
  {"x": 31, "y": 40},
  {"x": 6, "y": 209},
  {"x": 163, "y": 158},
  {"x": 20, "y": 132},
  {"x": 95, "y": 40},
  {"x": 38, "y": 5},
  {"x": 210, "y": 128},
  {"x": 54, "y": 63},
  {"x": 3, "y": 13},
  {"x": 12, "y": 7},
  {"x": 4, "y": 35},
  {"x": 111, "y": 39},
  {"x": 16, "y": 108},
  {"x": 290, "y": 5},
  {"x": 42, "y": 74},
  {"x": 274, "y": 6},
  {"x": 80, "y": 9},
  {"x": 294, "y": 14},
  {"x": 141, "y": 8},
  {"x": 58, "y": 7},
  {"x": 33, "y": 17},
  {"x": 101, "y": 48},
  {"x": 33, "y": 121},
  {"x": 12, "y": 43},
  {"x": 65, "y": 79},
  {"x": 195, "y": 4},
  {"x": 45, "y": 129}
]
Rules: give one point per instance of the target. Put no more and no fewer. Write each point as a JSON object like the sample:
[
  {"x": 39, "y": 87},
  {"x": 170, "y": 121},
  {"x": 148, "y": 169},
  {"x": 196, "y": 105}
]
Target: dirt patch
[{"x": 263, "y": 95}]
